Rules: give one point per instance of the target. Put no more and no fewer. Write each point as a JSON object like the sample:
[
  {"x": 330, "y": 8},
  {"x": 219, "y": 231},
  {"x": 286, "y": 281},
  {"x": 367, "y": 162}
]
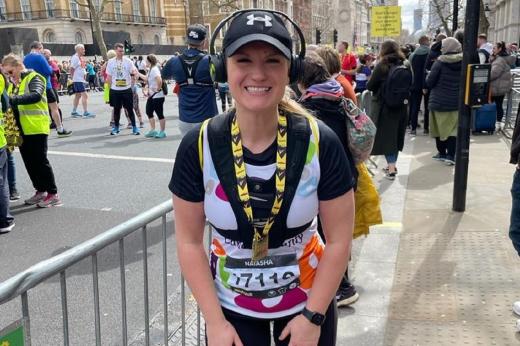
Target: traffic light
[
  {"x": 335, "y": 37},
  {"x": 318, "y": 36},
  {"x": 128, "y": 47}
]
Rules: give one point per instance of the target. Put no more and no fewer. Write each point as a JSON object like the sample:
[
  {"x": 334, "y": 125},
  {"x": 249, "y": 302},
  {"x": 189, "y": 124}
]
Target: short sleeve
[
  {"x": 336, "y": 177},
  {"x": 75, "y": 62},
  {"x": 108, "y": 69},
  {"x": 187, "y": 180}
]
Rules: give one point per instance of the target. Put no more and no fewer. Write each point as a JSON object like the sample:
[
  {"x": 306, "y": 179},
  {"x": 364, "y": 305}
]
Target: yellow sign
[
  {"x": 360, "y": 50},
  {"x": 386, "y": 21}
]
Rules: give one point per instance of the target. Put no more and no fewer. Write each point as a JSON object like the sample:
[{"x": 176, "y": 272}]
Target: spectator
[
  {"x": 27, "y": 97},
  {"x": 6, "y": 219},
  {"x": 191, "y": 71},
  {"x": 333, "y": 65},
  {"x": 514, "y": 228},
  {"x": 484, "y": 49},
  {"x": 77, "y": 71},
  {"x": 501, "y": 82},
  {"x": 418, "y": 63},
  {"x": 91, "y": 76},
  {"x": 362, "y": 75},
  {"x": 444, "y": 84},
  {"x": 390, "y": 122},
  {"x": 348, "y": 61}
]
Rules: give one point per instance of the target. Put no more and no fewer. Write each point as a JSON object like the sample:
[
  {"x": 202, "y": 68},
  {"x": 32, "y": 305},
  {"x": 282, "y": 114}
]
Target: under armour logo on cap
[
  {"x": 266, "y": 19},
  {"x": 193, "y": 34}
]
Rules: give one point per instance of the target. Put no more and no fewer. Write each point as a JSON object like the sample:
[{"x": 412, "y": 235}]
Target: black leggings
[
  {"x": 257, "y": 332},
  {"x": 119, "y": 99},
  {"x": 499, "y": 100},
  {"x": 155, "y": 105},
  {"x": 446, "y": 147}
]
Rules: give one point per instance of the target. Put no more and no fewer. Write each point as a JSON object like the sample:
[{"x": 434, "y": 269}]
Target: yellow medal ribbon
[{"x": 260, "y": 238}]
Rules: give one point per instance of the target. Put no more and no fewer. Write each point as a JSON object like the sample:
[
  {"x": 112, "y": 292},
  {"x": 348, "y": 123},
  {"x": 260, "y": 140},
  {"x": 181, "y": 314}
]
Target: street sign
[
  {"x": 14, "y": 335},
  {"x": 386, "y": 21}
]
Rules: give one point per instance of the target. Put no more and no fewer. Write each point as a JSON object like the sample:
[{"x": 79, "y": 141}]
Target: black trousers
[
  {"x": 415, "y": 106},
  {"x": 257, "y": 332},
  {"x": 499, "y": 100},
  {"x": 426, "y": 99},
  {"x": 120, "y": 99},
  {"x": 34, "y": 155},
  {"x": 446, "y": 147}
]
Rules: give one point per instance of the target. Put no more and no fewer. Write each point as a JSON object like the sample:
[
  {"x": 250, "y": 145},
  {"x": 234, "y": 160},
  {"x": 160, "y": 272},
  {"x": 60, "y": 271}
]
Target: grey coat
[{"x": 501, "y": 82}]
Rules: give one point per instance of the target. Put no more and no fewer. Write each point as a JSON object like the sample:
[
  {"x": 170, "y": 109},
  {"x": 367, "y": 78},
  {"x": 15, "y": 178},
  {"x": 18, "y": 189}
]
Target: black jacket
[
  {"x": 36, "y": 88},
  {"x": 435, "y": 52},
  {"x": 418, "y": 62},
  {"x": 515, "y": 143},
  {"x": 331, "y": 113},
  {"x": 444, "y": 83}
]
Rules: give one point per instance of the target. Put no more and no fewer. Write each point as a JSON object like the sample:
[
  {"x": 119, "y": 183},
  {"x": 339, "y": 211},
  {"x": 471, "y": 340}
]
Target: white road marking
[{"x": 113, "y": 157}]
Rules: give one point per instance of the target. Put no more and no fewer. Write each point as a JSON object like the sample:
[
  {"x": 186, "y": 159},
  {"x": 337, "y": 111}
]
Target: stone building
[
  {"x": 504, "y": 19},
  {"x": 63, "y": 23}
]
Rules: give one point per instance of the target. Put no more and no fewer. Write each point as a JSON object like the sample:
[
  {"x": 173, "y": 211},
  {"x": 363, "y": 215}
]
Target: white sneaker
[{"x": 516, "y": 308}]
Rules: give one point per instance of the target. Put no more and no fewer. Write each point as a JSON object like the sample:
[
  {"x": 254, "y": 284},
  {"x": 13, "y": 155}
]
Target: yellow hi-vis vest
[
  {"x": 3, "y": 141},
  {"x": 34, "y": 117}
]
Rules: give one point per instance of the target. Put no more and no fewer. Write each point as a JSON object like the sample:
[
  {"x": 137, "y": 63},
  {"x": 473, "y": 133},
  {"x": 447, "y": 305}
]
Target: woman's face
[
  {"x": 257, "y": 76},
  {"x": 13, "y": 71},
  {"x": 496, "y": 49}
]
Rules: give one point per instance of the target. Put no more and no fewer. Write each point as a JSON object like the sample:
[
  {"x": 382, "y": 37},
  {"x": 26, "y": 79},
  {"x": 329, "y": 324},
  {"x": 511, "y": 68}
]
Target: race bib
[
  {"x": 269, "y": 277},
  {"x": 121, "y": 83}
]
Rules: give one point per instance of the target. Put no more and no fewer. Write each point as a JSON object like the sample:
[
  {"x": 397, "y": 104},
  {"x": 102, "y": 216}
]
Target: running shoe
[
  {"x": 88, "y": 115},
  {"x": 37, "y": 198},
  {"x": 64, "y": 133},
  {"x": 52, "y": 200},
  {"x": 449, "y": 161},
  {"x": 160, "y": 134},
  {"x": 135, "y": 131},
  {"x": 6, "y": 227},
  {"x": 439, "y": 157},
  {"x": 14, "y": 195},
  {"x": 346, "y": 294},
  {"x": 75, "y": 114},
  {"x": 390, "y": 175},
  {"x": 151, "y": 134},
  {"x": 115, "y": 131}
]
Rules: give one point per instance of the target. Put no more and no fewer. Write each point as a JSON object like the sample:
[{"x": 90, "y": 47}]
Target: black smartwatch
[{"x": 314, "y": 317}]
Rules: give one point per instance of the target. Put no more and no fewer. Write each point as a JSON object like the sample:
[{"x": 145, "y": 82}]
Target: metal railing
[
  {"x": 21, "y": 283},
  {"x": 512, "y": 105},
  {"x": 79, "y": 15}
]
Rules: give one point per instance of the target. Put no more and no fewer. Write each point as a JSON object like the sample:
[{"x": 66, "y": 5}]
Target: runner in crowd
[
  {"x": 267, "y": 264},
  {"x": 121, "y": 76},
  {"x": 36, "y": 61},
  {"x": 78, "y": 72},
  {"x": 190, "y": 70},
  {"x": 29, "y": 101},
  {"x": 155, "y": 98}
]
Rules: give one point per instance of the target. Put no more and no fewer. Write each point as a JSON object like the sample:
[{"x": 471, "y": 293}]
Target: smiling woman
[{"x": 259, "y": 174}]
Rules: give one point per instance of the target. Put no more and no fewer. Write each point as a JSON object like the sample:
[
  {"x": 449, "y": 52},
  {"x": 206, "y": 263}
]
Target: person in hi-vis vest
[
  {"x": 29, "y": 101},
  {"x": 6, "y": 219}
]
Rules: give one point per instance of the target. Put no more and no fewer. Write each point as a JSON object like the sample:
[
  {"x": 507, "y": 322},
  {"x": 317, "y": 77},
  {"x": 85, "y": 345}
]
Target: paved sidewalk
[{"x": 430, "y": 276}]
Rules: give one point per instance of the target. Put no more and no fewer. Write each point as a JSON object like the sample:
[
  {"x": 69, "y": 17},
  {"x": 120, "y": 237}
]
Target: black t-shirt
[{"x": 335, "y": 173}]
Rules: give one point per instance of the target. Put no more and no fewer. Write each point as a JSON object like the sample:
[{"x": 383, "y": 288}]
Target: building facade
[
  {"x": 505, "y": 21},
  {"x": 417, "y": 19},
  {"x": 66, "y": 22}
]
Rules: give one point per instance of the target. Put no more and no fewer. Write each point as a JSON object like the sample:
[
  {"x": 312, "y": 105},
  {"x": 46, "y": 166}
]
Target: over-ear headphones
[{"x": 218, "y": 60}]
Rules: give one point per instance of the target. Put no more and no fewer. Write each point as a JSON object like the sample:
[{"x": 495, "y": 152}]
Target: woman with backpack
[
  {"x": 501, "y": 82},
  {"x": 391, "y": 120},
  {"x": 443, "y": 81},
  {"x": 258, "y": 174}
]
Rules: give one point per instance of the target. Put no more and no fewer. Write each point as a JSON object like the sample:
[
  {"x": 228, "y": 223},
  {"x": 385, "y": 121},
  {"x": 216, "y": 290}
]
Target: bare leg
[
  {"x": 55, "y": 114},
  {"x": 84, "y": 100}
]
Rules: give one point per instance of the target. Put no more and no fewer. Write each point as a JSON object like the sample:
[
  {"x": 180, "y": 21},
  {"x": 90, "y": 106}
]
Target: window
[
  {"x": 136, "y": 8},
  {"x": 140, "y": 38},
  {"x": 118, "y": 10},
  {"x": 78, "y": 37},
  {"x": 74, "y": 9},
  {"x": 153, "y": 8},
  {"x": 156, "y": 40},
  {"x": 3, "y": 10},
  {"x": 26, "y": 9},
  {"x": 49, "y": 36},
  {"x": 49, "y": 6},
  {"x": 223, "y": 30}
]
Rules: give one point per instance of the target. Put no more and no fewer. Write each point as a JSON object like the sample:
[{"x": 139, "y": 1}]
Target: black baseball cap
[
  {"x": 196, "y": 33},
  {"x": 257, "y": 25}
]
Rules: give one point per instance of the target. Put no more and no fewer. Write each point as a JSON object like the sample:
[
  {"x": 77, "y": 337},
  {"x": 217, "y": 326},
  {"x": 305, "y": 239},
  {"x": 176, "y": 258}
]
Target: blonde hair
[
  {"x": 111, "y": 54},
  {"x": 12, "y": 60},
  {"x": 331, "y": 58}
]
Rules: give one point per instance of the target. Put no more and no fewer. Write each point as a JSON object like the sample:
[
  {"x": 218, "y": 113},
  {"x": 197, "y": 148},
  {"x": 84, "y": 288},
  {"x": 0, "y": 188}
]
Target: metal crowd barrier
[
  {"x": 21, "y": 283},
  {"x": 512, "y": 105}
]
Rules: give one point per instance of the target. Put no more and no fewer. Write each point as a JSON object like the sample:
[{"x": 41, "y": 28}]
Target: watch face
[{"x": 318, "y": 319}]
